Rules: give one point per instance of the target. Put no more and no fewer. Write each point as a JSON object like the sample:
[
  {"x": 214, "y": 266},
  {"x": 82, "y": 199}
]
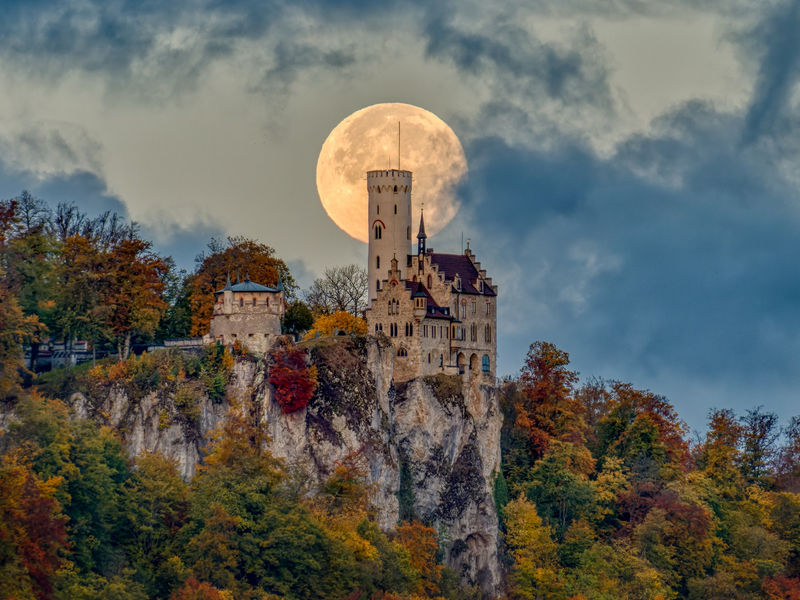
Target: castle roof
[
  {"x": 461, "y": 265},
  {"x": 434, "y": 310},
  {"x": 246, "y": 286}
]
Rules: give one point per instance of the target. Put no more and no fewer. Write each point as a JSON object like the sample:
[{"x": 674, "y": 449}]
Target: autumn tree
[
  {"x": 236, "y": 256},
  {"x": 420, "y": 541},
  {"x": 531, "y": 545},
  {"x": 32, "y": 532},
  {"x": 337, "y": 324},
  {"x": 546, "y": 409}
]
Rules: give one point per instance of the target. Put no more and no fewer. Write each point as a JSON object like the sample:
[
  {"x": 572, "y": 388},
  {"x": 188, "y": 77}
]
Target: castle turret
[{"x": 389, "y": 222}]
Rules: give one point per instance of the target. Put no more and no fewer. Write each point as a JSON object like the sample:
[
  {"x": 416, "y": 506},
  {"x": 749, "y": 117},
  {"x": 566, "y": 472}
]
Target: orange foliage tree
[
  {"x": 235, "y": 255},
  {"x": 294, "y": 381},
  {"x": 196, "y": 590},
  {"x": 420, "y": 541},
  {"x": 547, "y": 409},
  {"x": 32, "y": 532}
]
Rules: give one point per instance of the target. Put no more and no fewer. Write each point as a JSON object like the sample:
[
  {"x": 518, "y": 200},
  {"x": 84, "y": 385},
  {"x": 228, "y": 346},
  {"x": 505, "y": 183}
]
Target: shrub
[{"x": 294, "y": 381}]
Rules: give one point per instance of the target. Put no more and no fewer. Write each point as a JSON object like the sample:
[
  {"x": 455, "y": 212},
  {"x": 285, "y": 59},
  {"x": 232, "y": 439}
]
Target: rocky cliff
[{"x": 432, "y": 445}]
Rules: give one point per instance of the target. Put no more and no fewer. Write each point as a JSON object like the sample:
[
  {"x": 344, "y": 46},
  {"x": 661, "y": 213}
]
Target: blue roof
[{"x": 247, "y": 286}]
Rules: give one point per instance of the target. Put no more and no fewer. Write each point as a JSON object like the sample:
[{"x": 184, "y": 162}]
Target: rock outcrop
[{"x": 442, "y": 433}]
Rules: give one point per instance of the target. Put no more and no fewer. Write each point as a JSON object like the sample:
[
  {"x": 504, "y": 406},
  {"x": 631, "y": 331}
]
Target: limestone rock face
[{"x": 443, "y": 431}]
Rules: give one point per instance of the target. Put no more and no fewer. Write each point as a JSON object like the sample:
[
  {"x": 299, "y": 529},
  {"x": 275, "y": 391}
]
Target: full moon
[{"x": 368, "y": 140}]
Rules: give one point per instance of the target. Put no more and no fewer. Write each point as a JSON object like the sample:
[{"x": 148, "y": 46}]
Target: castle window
[
  {"x": 474, "y": 332},
  {"x": 395, "y": 206},
  {"x": 389, "y": 304},
  {"x": 379, "y": 206},
  {"x": 378, "y": 232},
  {"x": 485, "y": 363},
  {"x": 266, "y": 302},
  {"x": 474, "y": 307},
  {"x": 241, "y": 301},
  {"x": 488, "y": 333},
  {"x": 433, "y": 332},
  {"x": 410, "y": 329},
  {"x": 488, "y": 307},
  {"x": 378, "y": 263},
  {"x": 429, "y": 357},
  {"x": 402, "y": 352},
  {"x": 378, "y": 285},
  {"x": 441, "y": 360},
  {"x": 430, "y": 282},
  {"x": 255, "y": 302},
  {"x": 463, "y": 309}
]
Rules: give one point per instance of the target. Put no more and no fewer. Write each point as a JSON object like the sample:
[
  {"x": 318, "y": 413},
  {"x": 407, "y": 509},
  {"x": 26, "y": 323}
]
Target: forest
[{"x": 603, "y": 494}]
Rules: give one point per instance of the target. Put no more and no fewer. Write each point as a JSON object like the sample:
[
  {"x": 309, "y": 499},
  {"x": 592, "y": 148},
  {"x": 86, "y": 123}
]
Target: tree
[
  {"x": 32, "y": 532},
  {"x": 339, "y": 289},
  {"x": 760, "y": 431},
  {"x": 337, "y": 323},
  {"x": 293, "y": 379},
  {"x": 298, "y": 318},
  {"x": 236, "y": 255},
  {"x": 547, "y": 409},
  {"x": 420, "y": 541},
  {"x": 531, "y": 545},
  {"x": 788, "y": 463}
]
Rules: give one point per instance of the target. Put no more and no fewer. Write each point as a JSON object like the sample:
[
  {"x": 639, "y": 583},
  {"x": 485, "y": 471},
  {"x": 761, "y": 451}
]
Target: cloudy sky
[{"x": 634, "y": 181}]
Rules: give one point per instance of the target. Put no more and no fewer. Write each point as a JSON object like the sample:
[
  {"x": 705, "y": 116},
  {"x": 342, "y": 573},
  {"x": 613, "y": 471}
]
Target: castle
[
  {"x": 438, "y": 310},
  {"x": 247, "y": 312}
]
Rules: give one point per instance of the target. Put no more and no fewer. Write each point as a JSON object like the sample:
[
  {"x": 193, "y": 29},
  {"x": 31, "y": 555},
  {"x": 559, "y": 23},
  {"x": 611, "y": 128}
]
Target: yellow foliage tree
[
  {"x": 337, "y": 322},
  {"x": 535, "y": 553}
]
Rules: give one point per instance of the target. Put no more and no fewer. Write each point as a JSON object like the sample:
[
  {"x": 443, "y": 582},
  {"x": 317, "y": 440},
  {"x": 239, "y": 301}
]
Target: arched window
[
  {"x": 395, "y": 208},
  {"x": 485, "y": 363},
  {"x": 378, "y": 232},
  {"x": 430, "y": 281},
  {"x": 378, "y": 262},
  {"x": 402, "y": 352},
  {"x": 463, "y": 309}
]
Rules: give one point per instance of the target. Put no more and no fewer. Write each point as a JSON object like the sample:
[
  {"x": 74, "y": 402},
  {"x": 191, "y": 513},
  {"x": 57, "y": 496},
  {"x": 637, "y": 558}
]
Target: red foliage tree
[
  {"x": 781, "y": 588},
  {"x": 294, "y": 381},
  {"x": 196, "y": 590}
]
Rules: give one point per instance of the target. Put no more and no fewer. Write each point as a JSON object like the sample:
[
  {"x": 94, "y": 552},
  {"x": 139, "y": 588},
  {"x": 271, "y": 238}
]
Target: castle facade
[
  {"x": 248, "y": 312},
  {"x": 438, "y": 310}
]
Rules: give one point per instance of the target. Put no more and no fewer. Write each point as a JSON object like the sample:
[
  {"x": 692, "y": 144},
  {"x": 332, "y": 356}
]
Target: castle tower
[{"x": 389, "y": 223}]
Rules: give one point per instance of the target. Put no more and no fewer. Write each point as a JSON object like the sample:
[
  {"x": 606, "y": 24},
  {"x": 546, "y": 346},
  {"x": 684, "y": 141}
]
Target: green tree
[{"x": 298, "y": 318}]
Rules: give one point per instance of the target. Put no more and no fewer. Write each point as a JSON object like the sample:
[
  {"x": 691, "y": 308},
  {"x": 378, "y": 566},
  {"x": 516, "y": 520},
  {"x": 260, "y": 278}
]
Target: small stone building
[
  {"x": 248, "y": 312},
  {"x": 438, "y": 310}
]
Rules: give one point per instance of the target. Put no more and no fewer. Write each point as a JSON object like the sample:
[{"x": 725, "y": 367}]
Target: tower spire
[{"x": 421, "y": 237}]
